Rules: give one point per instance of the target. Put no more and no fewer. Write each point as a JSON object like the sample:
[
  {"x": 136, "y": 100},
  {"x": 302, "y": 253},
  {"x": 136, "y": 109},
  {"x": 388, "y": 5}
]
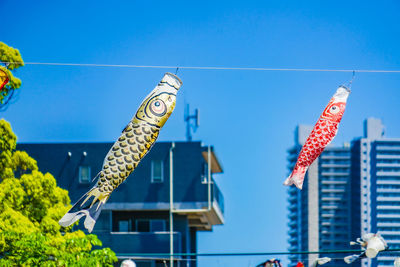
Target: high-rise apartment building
[
  {"x": 349, "y": 191},
  {"x": 376, "y": 188},
  {"x": 319, "y": 214}
]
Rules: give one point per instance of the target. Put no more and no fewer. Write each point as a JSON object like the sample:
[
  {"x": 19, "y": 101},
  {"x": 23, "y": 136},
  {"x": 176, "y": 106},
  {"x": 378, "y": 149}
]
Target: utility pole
[{"x": 171, "y": 205}]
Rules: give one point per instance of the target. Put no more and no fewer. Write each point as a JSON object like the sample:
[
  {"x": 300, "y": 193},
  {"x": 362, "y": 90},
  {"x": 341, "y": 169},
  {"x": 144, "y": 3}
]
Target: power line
[
  {"x": 204, "y": 67},
  {"x": 246, "y": 253}
]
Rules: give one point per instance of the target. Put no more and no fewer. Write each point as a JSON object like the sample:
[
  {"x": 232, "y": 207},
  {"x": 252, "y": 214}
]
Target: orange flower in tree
[
  {"x": 10, "y": 60},
  {"x": 3, "y": 79}
]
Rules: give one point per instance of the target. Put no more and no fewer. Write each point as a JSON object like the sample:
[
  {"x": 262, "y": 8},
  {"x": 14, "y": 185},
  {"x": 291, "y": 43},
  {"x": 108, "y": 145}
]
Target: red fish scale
[{"x": 322, "y": 134}]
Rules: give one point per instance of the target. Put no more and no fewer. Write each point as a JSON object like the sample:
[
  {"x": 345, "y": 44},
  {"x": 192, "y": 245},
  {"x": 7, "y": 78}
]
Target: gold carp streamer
[{"x": 125, "y": 155}]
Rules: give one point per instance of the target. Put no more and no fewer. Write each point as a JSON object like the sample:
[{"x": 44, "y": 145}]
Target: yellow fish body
[{"x": 124, "y": 156}]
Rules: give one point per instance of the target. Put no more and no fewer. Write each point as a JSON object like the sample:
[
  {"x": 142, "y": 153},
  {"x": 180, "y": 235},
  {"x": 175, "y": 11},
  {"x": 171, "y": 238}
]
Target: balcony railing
[
  {"x": 217, "y": 196},
  {"x": 140, "y": 242}
]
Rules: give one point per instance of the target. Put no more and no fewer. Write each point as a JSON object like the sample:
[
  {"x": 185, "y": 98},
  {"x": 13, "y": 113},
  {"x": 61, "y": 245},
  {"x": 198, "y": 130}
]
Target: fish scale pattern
[
  {"x": 322, "y": 134},
  {"x": 125, "y": 155}
]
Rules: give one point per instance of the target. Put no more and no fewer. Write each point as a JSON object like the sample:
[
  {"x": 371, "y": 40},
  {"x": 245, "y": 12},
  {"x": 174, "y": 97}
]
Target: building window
[
  {"x": 143, "y": 225},
  {"x": 157, "y": 170},
  {"x": 123, "y": 226},
  {"x": 84, "y": 174},
  {"x": 149, "y": 225},
  {"x": 204, "y": 175},
  {"x": 157, "y": 226}
]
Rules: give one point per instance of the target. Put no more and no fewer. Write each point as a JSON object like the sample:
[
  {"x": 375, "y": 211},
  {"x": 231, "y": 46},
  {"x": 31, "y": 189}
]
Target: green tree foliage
[
  {"x": 30, "y": 206},
  {"x": 7, "y": 55}
]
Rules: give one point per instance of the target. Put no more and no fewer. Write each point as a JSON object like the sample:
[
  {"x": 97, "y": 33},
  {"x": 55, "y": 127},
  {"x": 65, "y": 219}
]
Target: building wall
[
  {"x": 376, "y": 168},
  {"x": 319, "y": 214},
  {"x": 334, "y": 201},
  {"x": 359, "y": 193},
  {"x": 139, "y": 200},
  {"x": 188, "y": 186},
  {"x": 384, "y": 197}
]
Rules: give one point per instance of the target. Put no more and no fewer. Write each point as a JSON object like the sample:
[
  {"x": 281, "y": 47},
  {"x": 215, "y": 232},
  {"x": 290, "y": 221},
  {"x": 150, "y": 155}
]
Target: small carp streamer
[
  {"x": 371, "y": 244},
  {"x": 323, "y": 133},
  {"x": 124, "y": 156},
  {"x": 3, "y": 79}
]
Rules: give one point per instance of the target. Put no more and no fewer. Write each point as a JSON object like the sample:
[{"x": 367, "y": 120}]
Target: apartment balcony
[
  {"x": 388, "y": 148},
  {"x": 388, "y": 173},
  {"x": 391, "y": 207},
  {"x": 388, "y": 215},
  {"x": 334, "y": 157},
  {"x": 380, "y": 224},
  {"x": 385, "y": 261},
  {"x": 330, "y": 232},
  {"x": 389, "y": 165},
  {"x": 335, "y": 165},
  {"x": 334, "y": 173},
  {"x": 380, "y": 156},
  {"x": 292, "y": 216},
  {"x": 326, "y": 207},
  {"x": 389, "y": 233},
  {"x": 331, "y": 199},
  {"x": 292, "y": 232},
  {"x": 334, "y": 182},
  {"x": 388, "y": 199},
  {"x": 125, "y": 243},
  {"x": 293, "y": 240},
  {"x": 387, "y": 182},
  {"x": 388, "y": 190},
  {"x": 205, "y": 215},
  {"x": 393, "y": 241},
  {"x": 333, "y": 223},
  {"x": 331, "y": 240},
  {"x": 292, "y": 199},
  {"x": 292, "y": 208},
  {"x": 333, "y": 190}
]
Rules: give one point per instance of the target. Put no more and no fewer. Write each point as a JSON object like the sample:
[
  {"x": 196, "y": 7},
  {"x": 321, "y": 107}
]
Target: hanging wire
[
  {"x": 348, "y": 84},
  {"x": 250, "y": 253},
  {"x": 352, "y": 79},
  {"x": 206, "y": 68}
]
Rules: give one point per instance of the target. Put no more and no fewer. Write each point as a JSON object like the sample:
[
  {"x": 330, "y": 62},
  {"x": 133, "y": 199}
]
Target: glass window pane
[
  {"x": 142, "y": 226},
  {"x": 84, "y": 174},
  {"x": 156, "y": 171},
  {"x": 123, "y": 226},
  {"x": 157, "y": 225}
]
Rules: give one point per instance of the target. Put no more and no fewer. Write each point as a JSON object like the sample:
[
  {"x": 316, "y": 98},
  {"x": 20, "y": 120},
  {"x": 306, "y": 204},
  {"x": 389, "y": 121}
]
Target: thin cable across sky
[
  {"x": 205, "y": 67},
  {"x": 225, "y": 254}
]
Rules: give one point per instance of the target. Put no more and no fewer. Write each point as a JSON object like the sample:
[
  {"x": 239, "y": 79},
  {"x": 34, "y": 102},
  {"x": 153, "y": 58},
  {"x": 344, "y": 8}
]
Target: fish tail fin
[
  {"x": 351, "y": 258},
  {"x": 296, "y": 177},
  {"x": 90, "y": 209}
]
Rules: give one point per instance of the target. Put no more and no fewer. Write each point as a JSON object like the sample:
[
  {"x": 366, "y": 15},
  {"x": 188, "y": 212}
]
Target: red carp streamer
[
  {"x": 3, "y": 78},
  {"x": 323, "y": 133}
]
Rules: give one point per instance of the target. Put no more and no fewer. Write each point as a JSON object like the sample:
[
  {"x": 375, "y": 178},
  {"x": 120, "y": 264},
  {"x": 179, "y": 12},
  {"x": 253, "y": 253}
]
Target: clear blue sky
[{"x": 249, "y": 116}]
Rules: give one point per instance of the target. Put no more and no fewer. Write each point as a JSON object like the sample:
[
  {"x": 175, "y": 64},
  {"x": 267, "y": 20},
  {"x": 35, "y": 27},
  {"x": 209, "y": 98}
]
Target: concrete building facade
[
  {"x": 376, "y": 169},
  {"x": 354, "y": 189},
  {"x": 319, "y": 214},
  {"x": 142, "y": 216}
]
